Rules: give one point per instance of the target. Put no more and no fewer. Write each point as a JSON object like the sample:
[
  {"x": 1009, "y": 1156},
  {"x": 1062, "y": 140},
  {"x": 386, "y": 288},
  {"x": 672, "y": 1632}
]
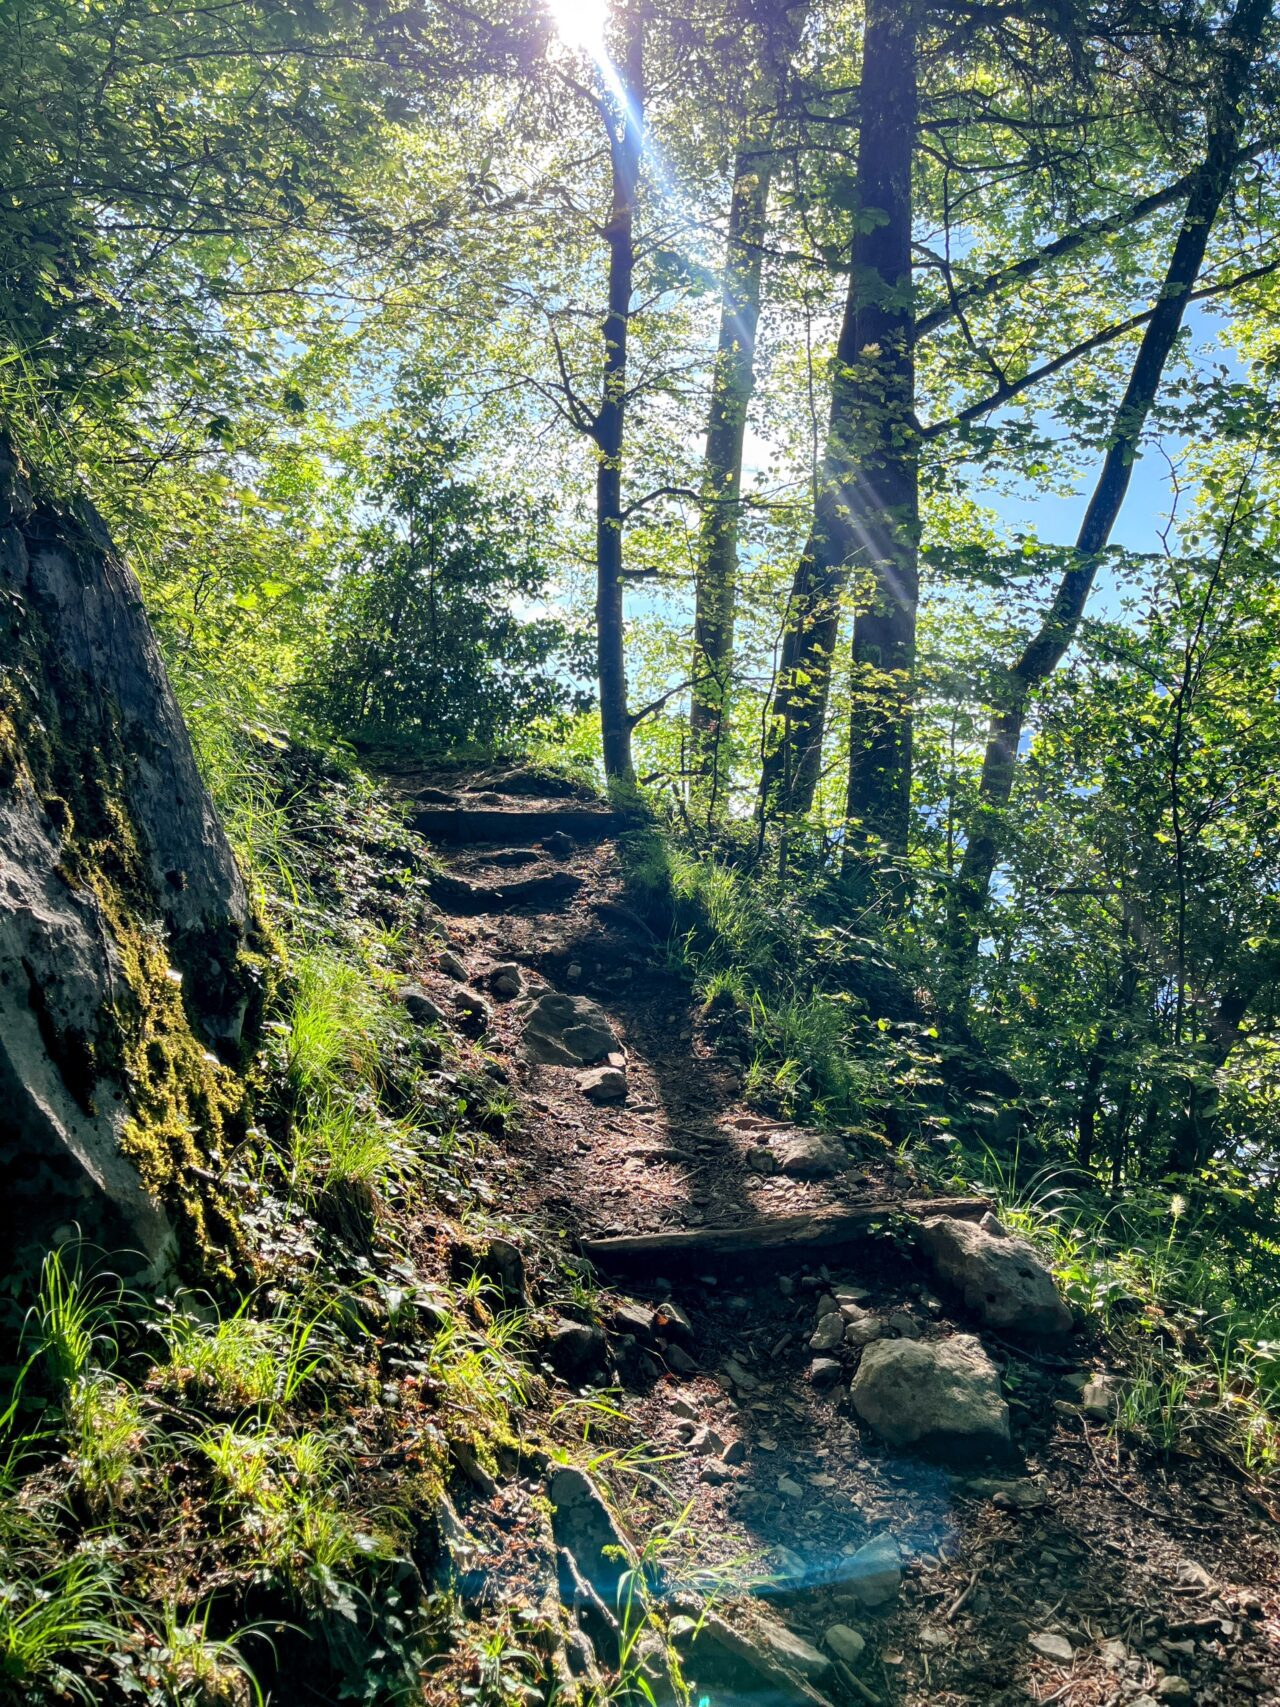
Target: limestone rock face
[
  {"x": 1001, "y": 1278},
  {"x": 114, "y": 874},
  {"x": 940, "y": 1395}
]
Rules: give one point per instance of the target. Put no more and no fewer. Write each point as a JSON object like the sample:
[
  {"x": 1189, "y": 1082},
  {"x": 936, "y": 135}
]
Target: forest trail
[{"x": 1078, "y": 1571}]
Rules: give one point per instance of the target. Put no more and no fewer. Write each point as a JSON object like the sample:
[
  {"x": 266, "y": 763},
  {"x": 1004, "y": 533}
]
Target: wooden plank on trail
[{"x": 780, "y": 1233}]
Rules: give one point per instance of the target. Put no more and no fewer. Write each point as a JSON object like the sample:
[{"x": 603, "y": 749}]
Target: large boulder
[
  {"x": 127, "y": 971},
  {"x": 942, "y": 1396},
  {"x": 1002, "y": 1279},
  {"x": 567, "y": 1031}
]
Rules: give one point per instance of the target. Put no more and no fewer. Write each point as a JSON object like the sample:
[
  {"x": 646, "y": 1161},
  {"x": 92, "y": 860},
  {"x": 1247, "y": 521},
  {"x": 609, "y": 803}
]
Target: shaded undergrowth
[{"x": 243, "y": 1494}]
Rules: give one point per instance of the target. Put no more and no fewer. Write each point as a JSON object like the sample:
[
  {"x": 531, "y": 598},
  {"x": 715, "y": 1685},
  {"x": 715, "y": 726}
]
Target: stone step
[
  {"x": 462, "y": 825},
  {"x": 459, "y": 895}
]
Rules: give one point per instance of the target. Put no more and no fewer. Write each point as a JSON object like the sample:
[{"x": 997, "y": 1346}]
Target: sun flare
[{"x": 580, "y": 23}]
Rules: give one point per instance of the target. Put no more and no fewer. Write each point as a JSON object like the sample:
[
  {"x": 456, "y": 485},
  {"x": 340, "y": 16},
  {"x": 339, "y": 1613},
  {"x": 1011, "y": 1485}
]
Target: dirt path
[{"x": 1085, "y": 1574}]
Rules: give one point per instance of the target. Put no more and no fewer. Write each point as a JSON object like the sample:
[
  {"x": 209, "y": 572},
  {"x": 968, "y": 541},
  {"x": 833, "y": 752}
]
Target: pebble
[
  {"x": 845, "y": 1643},
  {"x": 905, "y": 1325},
  {"x": 1174, "y": 1688},
  {"x": 1052, "y": 1646},
  {"x": 715, "y": 1471},
  {"x": 707, "y": 1443},
  {"x": 863, "y": 1331},
  {"x": 829, "y": 1332}
]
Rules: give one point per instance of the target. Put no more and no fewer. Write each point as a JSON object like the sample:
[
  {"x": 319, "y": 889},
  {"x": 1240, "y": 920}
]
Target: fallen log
[{"x": 825, "y": 1229}]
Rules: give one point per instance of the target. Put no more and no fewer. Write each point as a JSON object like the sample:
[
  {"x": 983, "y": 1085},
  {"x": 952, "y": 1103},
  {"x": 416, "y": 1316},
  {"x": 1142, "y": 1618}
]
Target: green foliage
[
  {"x": 426, "y": 647},
  {"x": 51, "y": 1621}
]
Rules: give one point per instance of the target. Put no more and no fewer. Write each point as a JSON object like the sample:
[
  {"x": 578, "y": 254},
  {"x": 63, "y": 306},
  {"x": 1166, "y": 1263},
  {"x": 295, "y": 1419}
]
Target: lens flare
[{"x": 580, "y": 23}]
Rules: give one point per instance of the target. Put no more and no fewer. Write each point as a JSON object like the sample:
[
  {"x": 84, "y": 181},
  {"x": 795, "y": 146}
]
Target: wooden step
[{"x": 825, "y": 1229}]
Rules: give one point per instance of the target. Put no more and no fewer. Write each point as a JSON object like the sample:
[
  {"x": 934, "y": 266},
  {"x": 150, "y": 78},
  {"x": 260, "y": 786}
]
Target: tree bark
[
  {"x": 732, "y": 384},
  {"x": 624, "y": 122},
  {"x": 1045, "y": 650},
  {"x": 865, "y": 513},
  {"x": 731, "y": 387}
]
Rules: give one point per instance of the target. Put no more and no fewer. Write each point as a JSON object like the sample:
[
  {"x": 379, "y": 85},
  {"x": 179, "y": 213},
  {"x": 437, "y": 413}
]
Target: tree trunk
[
  {"x": 885, "y": 496},
  {"x": 732, "y": 384},
  {"x": 625, "y": 126},
  {"x": 865, "y": 514},
  {"x": 1044, "y": 651},
  {"x": 731, "y": 387}
]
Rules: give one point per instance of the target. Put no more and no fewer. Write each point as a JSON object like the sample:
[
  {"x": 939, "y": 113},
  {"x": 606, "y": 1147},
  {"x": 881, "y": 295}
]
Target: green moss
[{"x": 185, "y": 1105}]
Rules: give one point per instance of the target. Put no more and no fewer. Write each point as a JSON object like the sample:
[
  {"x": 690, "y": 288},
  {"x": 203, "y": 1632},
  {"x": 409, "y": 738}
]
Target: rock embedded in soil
[
  {"x": 472, "y": 1008},
  {"x": 567, "y": 1031},
  {"x": 872, "y": 1575},
  {"x": 824, "y": 1372},
  {"x": 1022, "y": 1494},
  {"x": 559, "y": 844},
  {"x": 583, "y": 1524},
  {"x": 845, "y": 1643},
  {"x": 635, "y": 1319},
  {"x": 1002, "y": 1279},
  {"x": 829, "y": 1333},
  {"x": 1053, "y": 1647},
  {"x": 506, "y": 981},
  {"x": 862, "y": 1330},
  {"x": 504, "y": 1262},
  {"x": 722, "y": 1665},
  {"x": 809, "y": 1155},
  {"x": 578, "y": 1352},
  {"x": 603, "y": 1084},
  {"x": 942, "y": 1396},
  {"x": 1100, "y": 1398},
  {"x": 792, "y": 1651},
  {"x": 421, "y": 1008},
  {"x": 452, "y": 966}
]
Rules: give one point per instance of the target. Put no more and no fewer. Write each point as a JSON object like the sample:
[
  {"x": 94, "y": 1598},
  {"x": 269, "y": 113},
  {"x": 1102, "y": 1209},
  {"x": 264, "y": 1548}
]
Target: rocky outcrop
[
  {"x": 125, "y": 980},
  {"x": 942, "y": 1396},
  {"x": 1002, "y": 1279}
]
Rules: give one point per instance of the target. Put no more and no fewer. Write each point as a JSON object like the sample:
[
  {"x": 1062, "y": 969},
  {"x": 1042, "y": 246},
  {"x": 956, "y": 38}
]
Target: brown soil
[{"x": 1154, "y": 1571}]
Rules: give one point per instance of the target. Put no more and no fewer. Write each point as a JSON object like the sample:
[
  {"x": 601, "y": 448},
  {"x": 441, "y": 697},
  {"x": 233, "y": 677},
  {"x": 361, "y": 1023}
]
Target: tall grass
[
  {"x": 1201, "y": 1367},
  {"x": 338, "y": 1023}
]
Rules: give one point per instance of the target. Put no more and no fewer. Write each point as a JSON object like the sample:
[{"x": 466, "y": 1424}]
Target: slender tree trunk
[
  {"x": 865, "y": 514},
  {"x": 885, "y": 499},
  {"x": 625, "y": 126},
  {"x": 732, "y": 384},
  {"x": 1044, "y": 651},
  {"x": 731, "y": 388}
]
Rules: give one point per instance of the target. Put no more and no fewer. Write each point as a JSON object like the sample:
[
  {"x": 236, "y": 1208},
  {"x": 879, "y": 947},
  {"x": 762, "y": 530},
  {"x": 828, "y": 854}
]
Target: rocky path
[{"x": 893, "y": 1451}]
